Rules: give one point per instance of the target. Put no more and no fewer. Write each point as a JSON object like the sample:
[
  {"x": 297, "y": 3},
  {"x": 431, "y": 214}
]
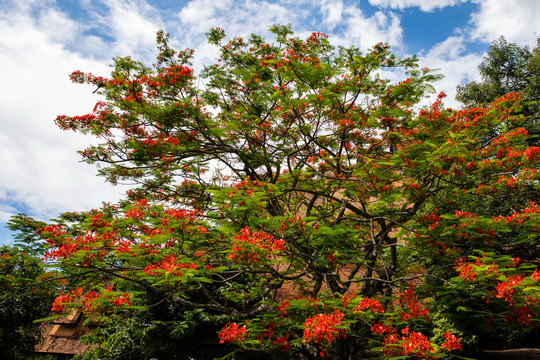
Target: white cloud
[
  {"x": 516, "y": 20},
  {"x": 451, "y": 60},
  {"x": 365, "y": 32},
  {"x": 450, "y": 48},
  {"x": 133, "y": 23},
  {"x": 57, "y": 26},
  {"x": 424, "y": 5},
  {"x": 332, "y": 13},
  {"x": 344, "y": 21},
  {"x": 201, "y": 15},
  {"x": 40, "y": 167},
  {"x": 237, "y": 18},
  {"x": 6, "y": 212}
]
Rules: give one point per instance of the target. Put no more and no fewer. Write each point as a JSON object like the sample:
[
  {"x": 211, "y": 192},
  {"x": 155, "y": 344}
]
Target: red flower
[
  {"x": 60, "y": 301},
  {"x": 409, "y": 344},
  {"x": 380, "y": 328},
  {"x": 283, "y": 342},
  {"x": 451, "y": 343},
  {"x": 524, "y": 316},
  {"x": 124, "y": 299},
  {"x": 232, "y": 332},
  {"x": 87, "y": 301},
  {"x": 414, "y": 308},
  {"x": 251, "y": 247},
  {"x": 466, "y": 272},
  {"x": 532, "y": 153},
  {"x": 324, "y": 327},
  {"x": 368, "y": 303},
  {"x": 505, "y": 289},
  {"x": 282, "y": 308},
  {"x": 170, "y": 265}
]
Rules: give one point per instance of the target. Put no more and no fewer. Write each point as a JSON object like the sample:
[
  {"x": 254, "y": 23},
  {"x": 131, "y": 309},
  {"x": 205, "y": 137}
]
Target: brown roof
[{"x": 63, "y": 335}]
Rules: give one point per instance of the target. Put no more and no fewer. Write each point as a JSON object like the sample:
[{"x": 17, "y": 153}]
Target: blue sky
[{"x": 42, "y": 41}]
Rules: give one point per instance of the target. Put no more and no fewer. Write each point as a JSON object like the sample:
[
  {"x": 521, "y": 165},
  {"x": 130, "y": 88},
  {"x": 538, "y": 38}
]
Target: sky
[{"x": 43, "y": 41}]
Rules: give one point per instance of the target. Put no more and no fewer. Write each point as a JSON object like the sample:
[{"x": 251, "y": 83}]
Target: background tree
[
  {"x": 508, "y": 68},
  {"x": 299, "y": 203},
  {"x": 26, "y": 293}
]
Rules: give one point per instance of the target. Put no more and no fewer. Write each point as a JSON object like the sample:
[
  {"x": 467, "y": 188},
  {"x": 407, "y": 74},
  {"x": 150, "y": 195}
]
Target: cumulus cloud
[
  {"x": 344, "y": 21},
  {"x": 424, "y": 5},
  {"x": 515, "y": 20},
  {"x": 236, "y": 17},
  {"x": 6, "y": 212},
  {"x": 364, "y": 31},
  {"x": 450, "y": 58},
  {"x": 332, "y": 13},
  {"x": 201, "y": 15},
  {"x": 40, "y": 166},
  {"x": 132, "y": 24}
]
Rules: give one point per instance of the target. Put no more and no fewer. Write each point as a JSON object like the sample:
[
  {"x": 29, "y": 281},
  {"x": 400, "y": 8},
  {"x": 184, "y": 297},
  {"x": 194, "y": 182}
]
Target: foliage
[
  {"x": 27, "y": 235},
  {"x": 508, "y": 68},
  {"x": 25, "y": 295},
  {"x": 160, "y": 334},
  {"x": 300, "y": 204}
]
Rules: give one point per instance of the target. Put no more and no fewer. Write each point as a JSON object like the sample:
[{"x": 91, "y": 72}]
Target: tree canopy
[
  {"x": 27, "y": 291},
  {"x": 508, "y": 68},
  {"x": 297, "y": 202}
]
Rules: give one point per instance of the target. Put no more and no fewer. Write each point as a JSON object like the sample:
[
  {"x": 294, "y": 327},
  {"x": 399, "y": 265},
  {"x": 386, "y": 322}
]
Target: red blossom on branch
[
  {"x": 505, "y": 289},
  {"x": 232, "y": 332},
  {"x": 467, "y": 272},
  {"x": 60, "y": 302},
  {"x": 367, "y": 303},
  {"x": 451, "y": 343},
  {"x": 532, "y": 153},
  {"x": 414, "y": 308},
  {"x": 169, "y": 264},
  {"x": 251, "y": 247},
  {"x": 408, "y": 344},
  {"x": 381, "y": 328},
  {"x": 324, "y": 327}
]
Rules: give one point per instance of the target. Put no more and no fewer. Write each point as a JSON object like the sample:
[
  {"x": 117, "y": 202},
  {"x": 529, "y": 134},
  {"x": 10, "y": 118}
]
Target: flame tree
[{"x": 304, "y": 203}]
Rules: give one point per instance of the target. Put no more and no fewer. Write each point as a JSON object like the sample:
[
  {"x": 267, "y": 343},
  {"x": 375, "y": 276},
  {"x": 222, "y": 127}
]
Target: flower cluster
[
  {"x": 451, "y": 343},
  {"x": 535, "y": 276},
  {"x": 251, "y": 247},
  {"x": 125, "y": 299},
  {"x": 282, "y": 342},
  {"x": 324, "y": 327},
  {"x": 60, "y": 302},
  {"x": 408, "y": 344},
  {"x": 466, "y": 272},
  {"x": 522, "y": 306},
  {"x": 505, "y": 289},
  {"x": 412, "y": 343},
  {"x": 232, "y": 332},
  {"x": 381, "y": 328},
  {"x": 89, "y": 302},
  {"x": 137, "y": 210},
  {"x": 413, "y": 307},
  {"x": 169, "y": 265},
  {"x": 367, "y": 303}
]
